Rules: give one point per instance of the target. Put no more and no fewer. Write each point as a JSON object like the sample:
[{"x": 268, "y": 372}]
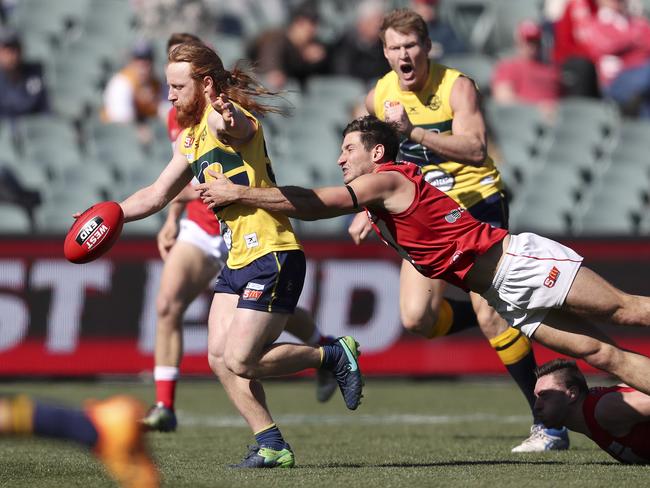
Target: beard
[{"x": 190, "y": 114}]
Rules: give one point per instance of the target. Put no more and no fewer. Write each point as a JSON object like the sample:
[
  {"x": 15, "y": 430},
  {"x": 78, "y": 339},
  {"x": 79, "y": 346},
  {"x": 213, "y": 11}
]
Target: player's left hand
[
  {"x": 217, "y": 192},
  {"x": 396, "y": 113}
]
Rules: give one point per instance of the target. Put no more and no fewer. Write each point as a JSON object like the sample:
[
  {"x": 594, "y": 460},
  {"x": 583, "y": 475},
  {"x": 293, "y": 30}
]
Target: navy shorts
[
  {"x": 272, "y": 283},
  {"x": 493, "y": 210}
]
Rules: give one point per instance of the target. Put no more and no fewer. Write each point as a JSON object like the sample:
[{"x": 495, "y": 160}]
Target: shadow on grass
[{"x": 443, "y": 464}]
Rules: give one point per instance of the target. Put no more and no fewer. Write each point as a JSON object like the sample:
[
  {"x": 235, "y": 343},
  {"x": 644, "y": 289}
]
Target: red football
[{"x": 94, "y": 232}]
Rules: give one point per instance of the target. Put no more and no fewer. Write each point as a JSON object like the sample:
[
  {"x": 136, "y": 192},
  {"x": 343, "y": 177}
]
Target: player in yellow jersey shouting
[{"x": 436, "y": 109}]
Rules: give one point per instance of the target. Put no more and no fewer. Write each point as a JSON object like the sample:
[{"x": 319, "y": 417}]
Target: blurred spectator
[
  {"x": 294, "y": 52},
  {"x": 524, "y": 78},
  {"x": 359, "y": 52},
  {"x": 619, "y": 44},
  {"x": 134, "y": 94},
  {"x": 22, "y": 87},
  {"x": 444, "y": 39},
  {"x": 570, "y": 48}
]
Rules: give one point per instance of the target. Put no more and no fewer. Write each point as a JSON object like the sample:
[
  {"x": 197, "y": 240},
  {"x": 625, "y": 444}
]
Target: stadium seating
[
  {"x": 55, "y": 216},
  {"x": 95, "y": 176},
  {"x": 13, "y": 220},
  {"x": 149, "y": 226},
  {"x": 31, "y": 175},
  {"x": 507, "y": 14},
  {"x": 81, "y": 42},
  {"x": 473, "y": 20},
  {"x": 37, "y": 47},
  {"x": 546, "y": 202},
  {"x": 597, "y": 114},
  {"x": 116, "y": 144},
  {"x": 7, "y": 144},
  {"x": 609, "y": 214},
  {"x": 477, "y": 66},
  {"x": 644, "y": 223},
  {"x": 335, "y": 227},
  {"x": 337, "y": 90},
  {"x": 49, "y": 128},
  {"x": 38, "y": 16}
]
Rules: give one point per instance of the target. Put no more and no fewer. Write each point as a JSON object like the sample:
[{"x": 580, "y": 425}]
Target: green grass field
[{"x": 405, "y": 434}]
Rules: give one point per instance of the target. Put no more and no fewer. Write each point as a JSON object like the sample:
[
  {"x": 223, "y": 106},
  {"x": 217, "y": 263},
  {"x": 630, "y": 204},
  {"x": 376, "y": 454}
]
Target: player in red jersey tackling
[
  {"x": 617, "y": 418},
  {"x": 537, "y": 285}
]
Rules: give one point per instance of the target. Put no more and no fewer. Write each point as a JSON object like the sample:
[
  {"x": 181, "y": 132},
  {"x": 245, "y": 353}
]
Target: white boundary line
[{"x": 193, "y": 420}]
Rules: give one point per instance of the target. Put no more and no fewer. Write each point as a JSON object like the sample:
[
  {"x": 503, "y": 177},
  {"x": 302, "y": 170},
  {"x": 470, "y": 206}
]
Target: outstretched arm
[
  {"x": 374, "y": 190},
  {"x": 154, "y": 197}
]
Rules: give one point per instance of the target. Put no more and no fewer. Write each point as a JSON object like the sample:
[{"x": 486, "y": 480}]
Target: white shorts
[
  {"x": 212, "y": 246},
  {"x": 534, "y": 276}
]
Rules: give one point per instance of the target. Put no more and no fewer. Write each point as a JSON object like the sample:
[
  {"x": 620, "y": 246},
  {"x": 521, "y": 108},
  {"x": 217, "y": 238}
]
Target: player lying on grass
[
  {"x": 110, "y": 428},
  {"x": 617, "y": 418},
  {"x": 534, "y": 283}
]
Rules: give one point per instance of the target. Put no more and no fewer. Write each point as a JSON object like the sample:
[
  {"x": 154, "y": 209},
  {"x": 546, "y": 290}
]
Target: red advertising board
[{"x": 62, "y": 319}]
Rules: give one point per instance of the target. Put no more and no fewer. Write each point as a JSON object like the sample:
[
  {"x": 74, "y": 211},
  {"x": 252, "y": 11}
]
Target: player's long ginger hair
[{"x": 238, "y": 85}]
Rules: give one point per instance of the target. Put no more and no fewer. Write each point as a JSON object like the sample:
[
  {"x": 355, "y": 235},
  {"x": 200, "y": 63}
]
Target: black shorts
[
  {"x": 272, "y": 283},
  {"x": 493, "y": 210}
]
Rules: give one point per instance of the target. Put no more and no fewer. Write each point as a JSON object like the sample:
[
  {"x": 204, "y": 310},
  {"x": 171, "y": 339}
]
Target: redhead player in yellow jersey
[
  {"x": 437, "y": 111},
  {"x": 193, "y": 254},
  {"x": 261, "y": 282}
]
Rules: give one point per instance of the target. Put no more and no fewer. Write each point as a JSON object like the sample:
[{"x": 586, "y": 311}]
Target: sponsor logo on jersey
[
  {"x": 226, "y": 233},
  {"x": 442, "y": 180},
  {"x": 488, "y": 180},
  {"x": 205, "y": 166},
  {"x": 251, "y": 240},
  {"x": 552, "y": 277},
  {"x": 92, "y": 233},
  {"x": 454, "y": 215},
  {"x": 456, "y": 256},
  {"x": 253, "y": 291},
  {"x": 189, "y": 140},
  {"x": 433, "y": 102}
]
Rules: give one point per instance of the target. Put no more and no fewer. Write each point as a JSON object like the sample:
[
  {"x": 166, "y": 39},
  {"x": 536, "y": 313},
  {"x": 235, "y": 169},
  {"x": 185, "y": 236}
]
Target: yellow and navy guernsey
[
  {"x": 429, "y": 108},
  {"x": 249, "y": 232}
]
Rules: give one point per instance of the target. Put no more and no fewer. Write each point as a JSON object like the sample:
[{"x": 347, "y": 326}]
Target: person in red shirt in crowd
[
  {"x": 536, "y": 284},
  {"x": 617, "y": 418},
  {"x": 619, "y": 47},
  {"x": 525, "y": 78},
  {"x": 570, "y": 49},
  {"x": 194, "y": 252}
]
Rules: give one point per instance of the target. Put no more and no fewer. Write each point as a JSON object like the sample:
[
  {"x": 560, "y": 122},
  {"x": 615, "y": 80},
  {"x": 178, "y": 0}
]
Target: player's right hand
[
  {"x": 167, "y": 237},
  {"x": 360, "y": 227}
]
